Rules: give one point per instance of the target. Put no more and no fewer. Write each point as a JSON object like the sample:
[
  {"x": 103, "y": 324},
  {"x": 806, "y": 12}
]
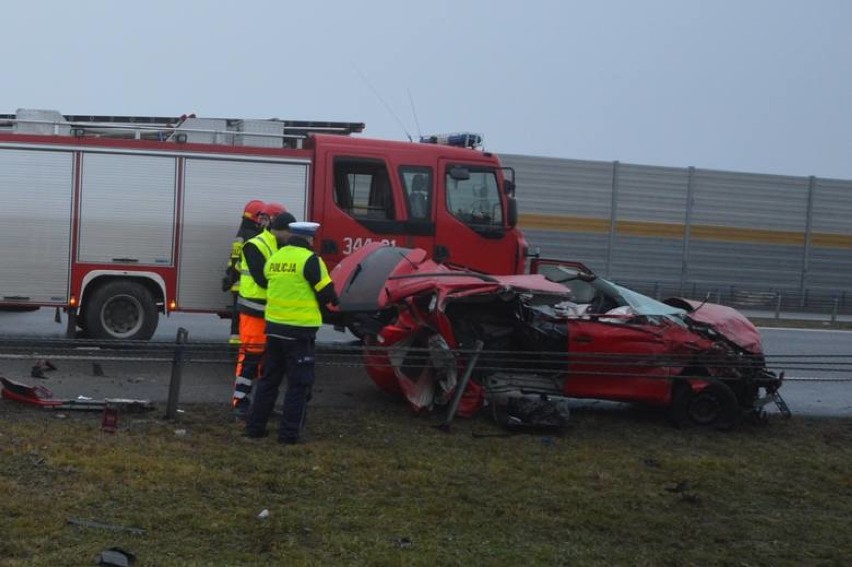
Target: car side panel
[{"x": 618, "y": 361}]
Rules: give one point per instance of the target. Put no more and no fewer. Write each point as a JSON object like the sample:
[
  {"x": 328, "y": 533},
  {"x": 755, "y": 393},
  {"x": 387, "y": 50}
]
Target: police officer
[
  {"x": 298, "y": 285},
  {"x": 250, "y": 226},
  {"x": 251, "y": 304}
]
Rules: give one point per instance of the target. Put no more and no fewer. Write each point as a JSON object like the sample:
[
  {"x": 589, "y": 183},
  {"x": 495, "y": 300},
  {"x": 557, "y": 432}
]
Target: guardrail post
[
  {"x": 177, "y": 372},
  {"x": 778, "y": 305},
  {"x": 834, "y": 309},
  {"x": 461, "y": 386}
]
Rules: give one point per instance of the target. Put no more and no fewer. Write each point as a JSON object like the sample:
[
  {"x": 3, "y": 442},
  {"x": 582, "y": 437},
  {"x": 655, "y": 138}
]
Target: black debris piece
[
  {"x": 403, "y": 542},
  {"x": 116, "y": 557}
]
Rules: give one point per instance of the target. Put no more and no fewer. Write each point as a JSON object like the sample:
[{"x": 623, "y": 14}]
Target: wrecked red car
[{"x": 523, "y": 345}]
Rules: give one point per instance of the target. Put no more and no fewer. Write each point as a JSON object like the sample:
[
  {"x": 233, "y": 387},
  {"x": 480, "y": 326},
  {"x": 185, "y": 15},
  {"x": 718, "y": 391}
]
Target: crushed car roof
[{"x": 379, "y": 274}]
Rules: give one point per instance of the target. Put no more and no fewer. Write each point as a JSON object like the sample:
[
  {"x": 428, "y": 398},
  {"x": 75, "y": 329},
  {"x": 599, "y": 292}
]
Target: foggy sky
[{"x": 751, "y": 85}]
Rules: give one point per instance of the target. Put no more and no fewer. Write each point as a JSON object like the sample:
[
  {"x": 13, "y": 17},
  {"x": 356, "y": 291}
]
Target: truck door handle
[
  {"x": 329, "y": 247},
  {"x": 584, "y": 339}
]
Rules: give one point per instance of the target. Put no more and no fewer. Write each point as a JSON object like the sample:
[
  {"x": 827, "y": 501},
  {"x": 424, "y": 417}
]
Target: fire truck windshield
[{"x": 476, "y": 200}]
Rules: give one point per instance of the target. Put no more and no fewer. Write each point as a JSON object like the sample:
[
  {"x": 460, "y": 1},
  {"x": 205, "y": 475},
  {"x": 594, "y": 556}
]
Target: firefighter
[
  {"x": 250, "y": 226},
  {"x": 251, "y": 304},
  {"x": 298, "y": 287},
  {"x": 269, "y": 212}
]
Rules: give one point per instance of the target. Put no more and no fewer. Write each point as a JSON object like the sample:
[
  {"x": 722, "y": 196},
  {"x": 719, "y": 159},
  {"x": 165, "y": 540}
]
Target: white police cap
[{"x": 304, "y": 228}]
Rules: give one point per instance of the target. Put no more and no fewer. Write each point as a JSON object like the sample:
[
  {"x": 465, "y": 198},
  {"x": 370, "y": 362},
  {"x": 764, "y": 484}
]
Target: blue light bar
[{"x": 459, "y": 140}]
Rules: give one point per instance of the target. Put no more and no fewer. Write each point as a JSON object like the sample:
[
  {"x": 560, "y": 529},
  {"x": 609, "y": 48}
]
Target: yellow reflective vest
[
  {"x": 291, "y": 299},
  {"x": 251, "y": 294}
]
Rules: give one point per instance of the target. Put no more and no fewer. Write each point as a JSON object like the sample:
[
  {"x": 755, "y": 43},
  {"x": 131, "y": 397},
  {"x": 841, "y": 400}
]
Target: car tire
[
  {"x": 714, "y": 406},
  {"x": 121, "y": 310}
]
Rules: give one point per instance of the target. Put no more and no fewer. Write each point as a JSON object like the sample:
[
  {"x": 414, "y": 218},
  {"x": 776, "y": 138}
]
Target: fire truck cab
[
  {"x": 118, "y": 219},
  {"x": 450, "y": 199}
]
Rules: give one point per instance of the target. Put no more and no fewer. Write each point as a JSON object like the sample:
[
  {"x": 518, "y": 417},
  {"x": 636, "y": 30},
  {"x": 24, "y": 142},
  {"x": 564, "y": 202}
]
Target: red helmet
[
  {"x": 272, "y": 210},
  {"x": 253, "y": 210}
]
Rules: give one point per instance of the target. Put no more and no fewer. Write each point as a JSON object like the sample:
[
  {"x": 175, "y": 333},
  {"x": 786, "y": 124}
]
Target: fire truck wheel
[{"x": 121, "y": 310}]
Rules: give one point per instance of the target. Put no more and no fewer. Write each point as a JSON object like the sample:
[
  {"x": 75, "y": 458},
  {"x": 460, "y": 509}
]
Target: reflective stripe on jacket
[{"x": 291, "y": 300}]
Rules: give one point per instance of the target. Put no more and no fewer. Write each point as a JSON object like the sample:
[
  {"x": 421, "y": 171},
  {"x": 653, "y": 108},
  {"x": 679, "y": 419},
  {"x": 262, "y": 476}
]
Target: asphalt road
[
  {"x": 817, "y": 366},
  {"x": 817, "y": 383}
]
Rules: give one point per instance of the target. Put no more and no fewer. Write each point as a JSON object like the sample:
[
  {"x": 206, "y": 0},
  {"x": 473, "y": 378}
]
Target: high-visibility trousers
[{"x": 250, "y": 357}]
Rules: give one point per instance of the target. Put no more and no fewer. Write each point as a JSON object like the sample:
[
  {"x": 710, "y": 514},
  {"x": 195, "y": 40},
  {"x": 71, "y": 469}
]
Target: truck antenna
[
  {"x": 386, "y": 105},
  {"x": 414, "y": 112}
]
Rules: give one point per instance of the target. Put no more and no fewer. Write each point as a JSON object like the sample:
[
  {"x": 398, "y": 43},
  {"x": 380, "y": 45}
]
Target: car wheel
[
  {"x": 714, "y": 406},
  {"x": 121, "y": 310}
]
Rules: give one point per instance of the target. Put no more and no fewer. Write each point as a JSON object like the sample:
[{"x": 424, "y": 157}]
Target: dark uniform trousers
[{"x": 295, "y": 359}]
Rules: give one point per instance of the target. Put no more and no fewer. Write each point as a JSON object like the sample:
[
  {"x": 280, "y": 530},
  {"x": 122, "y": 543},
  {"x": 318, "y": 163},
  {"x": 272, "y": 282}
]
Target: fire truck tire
[{"x": 121, "y": 310}]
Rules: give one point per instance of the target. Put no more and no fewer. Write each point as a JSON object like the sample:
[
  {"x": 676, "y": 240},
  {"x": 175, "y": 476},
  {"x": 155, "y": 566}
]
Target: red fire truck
[{"x": 118, "y": 219}]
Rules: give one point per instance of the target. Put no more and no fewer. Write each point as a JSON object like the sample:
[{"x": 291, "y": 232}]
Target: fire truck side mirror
[
  {"x": 459, "y": 173},
  {"x": 512, "y": 211}
]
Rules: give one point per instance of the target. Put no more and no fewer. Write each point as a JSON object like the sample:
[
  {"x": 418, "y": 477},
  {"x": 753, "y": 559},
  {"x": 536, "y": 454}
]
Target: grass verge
[{"x": 380, "y": 487}]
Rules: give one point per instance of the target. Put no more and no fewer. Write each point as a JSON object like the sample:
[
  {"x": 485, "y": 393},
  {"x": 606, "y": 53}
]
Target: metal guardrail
[{"x": 182, "y": 352}]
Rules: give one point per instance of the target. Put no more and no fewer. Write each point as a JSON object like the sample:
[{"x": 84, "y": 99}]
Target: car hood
[
  {"x": 379, "y": 275},
  {"x": 729, "y": 322}
]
